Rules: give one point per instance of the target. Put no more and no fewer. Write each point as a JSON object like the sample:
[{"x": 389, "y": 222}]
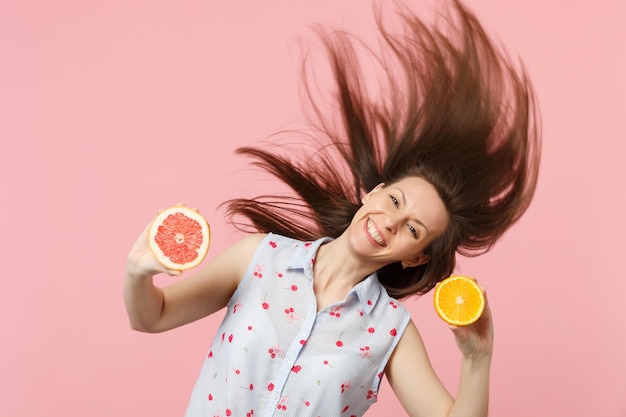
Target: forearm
[
  {"x": 143, "y": 301},
  {"x": 473, "y": 394}
]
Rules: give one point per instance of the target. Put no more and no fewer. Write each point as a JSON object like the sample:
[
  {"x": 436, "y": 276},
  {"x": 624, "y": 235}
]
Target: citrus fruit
[
  {"x": 459, "y": 300},
  {"x": 179, "y": 238}
]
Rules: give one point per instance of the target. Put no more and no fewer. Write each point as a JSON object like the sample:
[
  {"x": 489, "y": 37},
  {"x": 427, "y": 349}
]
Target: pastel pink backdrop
[{"x": 112, "y": 110}]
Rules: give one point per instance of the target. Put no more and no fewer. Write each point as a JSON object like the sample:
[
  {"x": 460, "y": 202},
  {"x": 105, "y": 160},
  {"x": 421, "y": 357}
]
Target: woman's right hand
[{"x": 141, "y": 262}]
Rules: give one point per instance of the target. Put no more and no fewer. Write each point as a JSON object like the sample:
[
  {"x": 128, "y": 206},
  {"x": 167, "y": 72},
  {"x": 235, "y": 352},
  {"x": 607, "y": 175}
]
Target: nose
[{"x": 391, "y": 224}]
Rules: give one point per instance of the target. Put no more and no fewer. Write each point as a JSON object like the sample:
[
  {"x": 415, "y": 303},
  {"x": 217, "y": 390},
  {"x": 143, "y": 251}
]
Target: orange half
[{"x": 459, "y": 300}]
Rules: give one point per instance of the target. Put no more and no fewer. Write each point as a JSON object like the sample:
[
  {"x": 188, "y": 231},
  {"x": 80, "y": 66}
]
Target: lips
[{"x": 372, "y": 231}]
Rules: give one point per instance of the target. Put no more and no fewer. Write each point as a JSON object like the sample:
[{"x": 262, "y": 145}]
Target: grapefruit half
[{"x": 179, "y": 238}]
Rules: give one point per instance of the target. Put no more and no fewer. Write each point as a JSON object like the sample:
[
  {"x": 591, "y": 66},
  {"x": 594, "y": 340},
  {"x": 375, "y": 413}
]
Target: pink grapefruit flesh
[{"x": 179, "y": 238}]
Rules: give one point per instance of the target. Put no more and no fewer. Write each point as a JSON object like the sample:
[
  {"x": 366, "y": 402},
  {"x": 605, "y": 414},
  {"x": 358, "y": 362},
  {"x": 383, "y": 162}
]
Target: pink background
[{"x": 112, "y": 110}]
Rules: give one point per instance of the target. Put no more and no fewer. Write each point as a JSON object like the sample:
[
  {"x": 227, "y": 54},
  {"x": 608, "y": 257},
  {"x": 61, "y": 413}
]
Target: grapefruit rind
[
  {"x": 446, "y": 299},
  {"x": 200, "y": 251}
]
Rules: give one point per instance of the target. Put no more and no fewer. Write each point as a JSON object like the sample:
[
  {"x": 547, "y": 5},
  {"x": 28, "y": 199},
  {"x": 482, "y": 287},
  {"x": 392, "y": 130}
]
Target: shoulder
[
  {"x": 250, "y": 242},
  {"x": 237, "y": 256},
  {"x": 253, "y": 246},
  {"x": 246, "y": 245}
]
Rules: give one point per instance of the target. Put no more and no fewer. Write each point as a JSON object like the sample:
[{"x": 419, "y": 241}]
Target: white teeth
[{"x": 374, "y": 233}]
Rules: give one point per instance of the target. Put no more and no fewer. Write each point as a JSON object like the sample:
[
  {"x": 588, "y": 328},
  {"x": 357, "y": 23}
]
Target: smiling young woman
[{"x": 443, "y": 162}]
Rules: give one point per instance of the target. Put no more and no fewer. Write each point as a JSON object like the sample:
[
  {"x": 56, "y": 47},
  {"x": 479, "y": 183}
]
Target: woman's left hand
[{"x": 476, "y": 340}]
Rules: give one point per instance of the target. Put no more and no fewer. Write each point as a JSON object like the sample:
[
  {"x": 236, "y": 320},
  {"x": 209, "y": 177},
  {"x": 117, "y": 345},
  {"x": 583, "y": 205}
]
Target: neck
[{"x": 336, "y": 268}]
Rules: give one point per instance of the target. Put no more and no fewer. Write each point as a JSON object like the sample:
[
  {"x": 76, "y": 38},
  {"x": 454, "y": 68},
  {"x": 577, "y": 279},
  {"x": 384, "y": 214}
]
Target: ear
[
  {"x": 417, "y": 260},
  {"x": 374, "y": 190}
]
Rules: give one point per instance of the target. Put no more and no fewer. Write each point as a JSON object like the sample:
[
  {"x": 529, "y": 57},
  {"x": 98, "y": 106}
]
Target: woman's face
[{"x": 397, "y": 222}]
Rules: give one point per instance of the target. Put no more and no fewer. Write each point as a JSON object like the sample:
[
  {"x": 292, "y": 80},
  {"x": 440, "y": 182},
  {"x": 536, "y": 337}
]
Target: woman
[{"x": 445, "y": 162}]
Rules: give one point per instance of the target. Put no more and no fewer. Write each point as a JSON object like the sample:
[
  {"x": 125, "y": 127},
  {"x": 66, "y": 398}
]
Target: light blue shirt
[{"x": 276, "y": 355}]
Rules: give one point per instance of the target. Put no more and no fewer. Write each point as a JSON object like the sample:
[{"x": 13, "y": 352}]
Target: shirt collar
[
  {"x": 367, "y": 291},
  {"x": 304, "y": 256}
]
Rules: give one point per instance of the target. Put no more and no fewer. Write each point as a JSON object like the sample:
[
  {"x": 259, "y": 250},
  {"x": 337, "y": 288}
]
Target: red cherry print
[
  {"x": 228, "y": 412},
  {"x": 265, "y": 306},
  {"x": 296, "y": 368},
  {"x": 392, "y": 304},
  {"x": 258, "y": 271},
  {"x": 210, "y": 397},
  {"x": 345, "y": 386},
  {"x": 393, "y": 332},
  {"x": 361, "y": 313},
  {"x": 291, "y": 315},
  {"x": 336, "y": 311},
  {"x": 369, "y": 302},
  {"x": 210, "y": 354},
  {"x": 339, "y": 343},
  {"x": 230, "y": 339},
  {"x": 294, "y": 288},
  {"x": 302, "y": 342},
  {"x": 249, "y": 327},
  {"x": 313, "y": 260},
  {"x": 279, "y": 275},
  {"x": 371, "y": 330},
  {"x": 365, "y": 352},
  {"x": 325, "y": 362},
  {"x": 345, "y": 409},
  {"x": 270, "y": 387},
  {"x": 273, "y": 244},
  {"x": 251, "y": 387},
  {"x": 223, "y": 335},
  {"x": 237, "y": 371},
  {"x": 307, "y": 244}
]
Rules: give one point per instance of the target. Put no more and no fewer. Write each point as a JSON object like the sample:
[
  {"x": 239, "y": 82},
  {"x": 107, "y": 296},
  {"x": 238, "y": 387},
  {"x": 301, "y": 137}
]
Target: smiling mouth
[{"x": 373, "y": 233}]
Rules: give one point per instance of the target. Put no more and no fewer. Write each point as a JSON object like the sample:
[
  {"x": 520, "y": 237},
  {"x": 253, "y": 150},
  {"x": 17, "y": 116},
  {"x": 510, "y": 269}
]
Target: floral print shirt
[{"x": 276, "y": 355}]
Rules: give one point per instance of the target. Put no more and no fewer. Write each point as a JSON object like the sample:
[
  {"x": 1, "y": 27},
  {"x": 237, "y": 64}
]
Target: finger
[
  {"x": 461, "y": 333},
  {"x": 173, "y": 272}
]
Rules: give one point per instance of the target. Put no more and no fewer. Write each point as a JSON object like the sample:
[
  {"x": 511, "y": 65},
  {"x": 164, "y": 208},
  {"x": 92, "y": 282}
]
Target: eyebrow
[{"x": 416, "y": 220}]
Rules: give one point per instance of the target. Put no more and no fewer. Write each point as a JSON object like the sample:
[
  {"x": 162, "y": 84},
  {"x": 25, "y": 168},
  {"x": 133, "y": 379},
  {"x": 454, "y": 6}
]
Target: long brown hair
[{"x": 455, "y": 110}]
